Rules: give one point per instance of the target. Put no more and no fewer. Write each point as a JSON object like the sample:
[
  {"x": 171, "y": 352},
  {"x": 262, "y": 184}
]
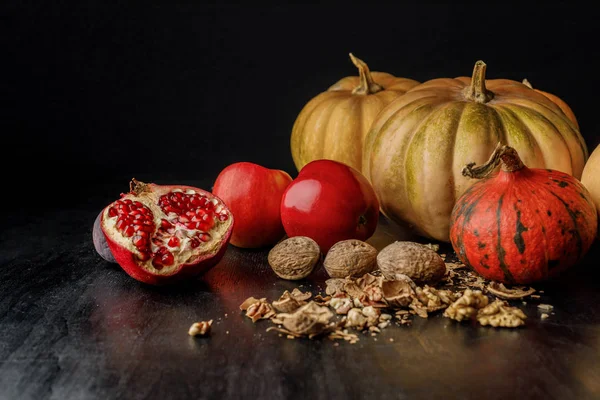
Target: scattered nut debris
[
  {"x": 201, "y": 328},
  {"x": 517, "y": 292},
  {"x": 544, "y": 316},
  {"x": 371, "y": 302}
]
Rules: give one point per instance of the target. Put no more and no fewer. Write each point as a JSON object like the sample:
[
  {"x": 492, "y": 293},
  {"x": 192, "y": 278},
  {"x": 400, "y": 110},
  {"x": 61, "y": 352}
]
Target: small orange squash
[
  {"x": 333, "y": 124},
  {"x": 417, "y": 146}
]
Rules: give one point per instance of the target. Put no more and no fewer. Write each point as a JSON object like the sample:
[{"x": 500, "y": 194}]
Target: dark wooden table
[{"x": 73, "y": 326}]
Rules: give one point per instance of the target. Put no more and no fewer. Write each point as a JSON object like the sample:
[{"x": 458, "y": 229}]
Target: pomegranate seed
[
  {"x": 143, "y": 256},
  {"x": 138, "y": 204},
  {"x": 127, "y": 201},
  {"x": 209, "y": 206},
  {"x": 139, "y": 241},
  {"x": 157, "y": 241},
  {"x": 112, "y": 212},
  {"x": 205, "y": 237},
  {"x": 173, "y": 242},
  {"x": 167, "y": 258},
  {"x": 194, "y": 242},
  {"x": 223, "y": 217},
  {"x": 156, "y": 263},
  {"x": 143, "y": 234},
  {"x": 120, "y": 224},
  {"x": 166, "y": 224},
  {"x": 128, "y": 231},
  {"x": 206, "y": 226},
  {"x": 191, "y": 225}
]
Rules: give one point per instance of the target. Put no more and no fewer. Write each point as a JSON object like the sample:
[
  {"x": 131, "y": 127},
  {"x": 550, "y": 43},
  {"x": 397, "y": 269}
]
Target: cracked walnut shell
[
  {"x": 415, "y": 260},
  {"x": 350, "y": 257},
  {"x": 294, "y": 258}
]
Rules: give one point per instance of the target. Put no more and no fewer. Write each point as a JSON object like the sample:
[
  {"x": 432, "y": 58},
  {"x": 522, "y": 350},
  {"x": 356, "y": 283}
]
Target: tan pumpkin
[
  {"x": 333, "y": 124},
  {"x": 590, "y": 178},
  {"x": 558, "y": 101},
  {"x": 420, "y": 143}
]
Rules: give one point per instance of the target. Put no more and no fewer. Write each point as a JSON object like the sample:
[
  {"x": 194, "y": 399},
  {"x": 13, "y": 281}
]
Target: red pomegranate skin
[
  {"x": 253, "y": 195},
  {"x": 330, "y": 201},
  {"x": 131, "y": 266},
  {"x": 524, "y": 226}
]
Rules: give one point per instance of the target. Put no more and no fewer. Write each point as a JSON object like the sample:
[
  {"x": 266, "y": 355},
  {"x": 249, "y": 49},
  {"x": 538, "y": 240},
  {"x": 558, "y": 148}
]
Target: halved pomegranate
[{"x": 161, "y": 233}]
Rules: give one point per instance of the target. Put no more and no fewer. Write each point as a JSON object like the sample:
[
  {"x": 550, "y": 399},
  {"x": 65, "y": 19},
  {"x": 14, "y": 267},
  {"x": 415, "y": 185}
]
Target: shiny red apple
[
  {"x": 253, "y": 195},
  {"x": 329, "y": 201}
]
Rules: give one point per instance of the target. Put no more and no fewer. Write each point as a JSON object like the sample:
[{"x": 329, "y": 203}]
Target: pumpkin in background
[
  {"x": 419, "y": 143},
  {"x": 591, "y": 176},
  {"x": 558, "y": 101},
  {"x": 333, "y": 124},
  {"x": 521, "y": 225}
]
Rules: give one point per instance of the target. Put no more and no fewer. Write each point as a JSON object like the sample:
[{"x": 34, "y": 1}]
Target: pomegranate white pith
[{"x": 165, "y": 227}]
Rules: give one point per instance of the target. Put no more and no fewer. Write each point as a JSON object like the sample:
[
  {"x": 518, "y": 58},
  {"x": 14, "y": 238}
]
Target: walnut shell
[
  {"x": 417, "y": 261},
  {"x": 350, "y": 257},
  {"x": 294, "y": 258}
]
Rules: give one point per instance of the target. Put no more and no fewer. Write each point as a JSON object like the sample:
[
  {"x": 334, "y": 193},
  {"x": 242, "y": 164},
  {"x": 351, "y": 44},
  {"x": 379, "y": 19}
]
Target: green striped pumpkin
[{"x": 417, "y": 146}]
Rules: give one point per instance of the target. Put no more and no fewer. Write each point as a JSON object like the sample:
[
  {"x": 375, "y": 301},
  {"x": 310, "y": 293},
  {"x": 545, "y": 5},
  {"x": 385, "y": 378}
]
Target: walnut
[
  {"x": 417, "y": 261},
  {"x": 201, "y": 328},
  {"x": 257, "y": 309},
  {"x": 467, "y": 306},
  {"x": 310, "y": 319},
  {"x": 350, "y": 258},
  {"x": 294, "y": 258},
  {"x": 500, "y": 314},
  {"x": 499, "y": 290}
]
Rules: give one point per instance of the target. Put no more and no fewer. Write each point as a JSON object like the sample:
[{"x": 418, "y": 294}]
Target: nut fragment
[
  {"x": 201, "y": 328},
  {"x": 499, "y": 290},
  {"x": 417, "y": 261},
  {"x": 310, "y": 319},
  {"x": 350, "y": 258},
  {"x": 257, "y": 308},
  {"x": 287, "y": 303},
  {"x": 467, "y": 306},
  {"x": 500, "y": 314},
  {"x": 294, "y": 258}
]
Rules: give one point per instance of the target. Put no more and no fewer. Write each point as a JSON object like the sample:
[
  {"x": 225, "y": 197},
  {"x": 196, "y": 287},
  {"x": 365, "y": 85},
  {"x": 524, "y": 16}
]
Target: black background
[{"x": 99, "y": 93}]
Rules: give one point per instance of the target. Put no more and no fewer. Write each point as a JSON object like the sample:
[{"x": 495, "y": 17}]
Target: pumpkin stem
[
  {"x": 504, "y": 155},
  {"x": 367, "y": 85},
  {"x": 477, "y": 91},
  {"x": 527, "y": 83}
]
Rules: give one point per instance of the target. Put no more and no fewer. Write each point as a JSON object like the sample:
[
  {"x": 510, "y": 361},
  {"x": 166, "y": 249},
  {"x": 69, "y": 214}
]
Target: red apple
[
  {"x": 253, "y": 195},
  {"x": 329, "y": 201}
]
